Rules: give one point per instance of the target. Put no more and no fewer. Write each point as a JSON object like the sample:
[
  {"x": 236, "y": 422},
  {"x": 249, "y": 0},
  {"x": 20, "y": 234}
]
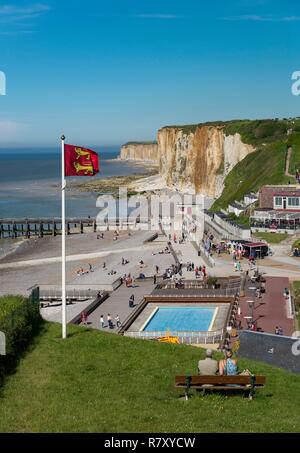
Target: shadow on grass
[
  {"x": 10, "y": 362},
  {"x": 223, "y": 394}
]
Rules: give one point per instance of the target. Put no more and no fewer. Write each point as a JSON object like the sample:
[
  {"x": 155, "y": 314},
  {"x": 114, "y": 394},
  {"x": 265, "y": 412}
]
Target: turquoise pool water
[{"x": 179, "y": 319}]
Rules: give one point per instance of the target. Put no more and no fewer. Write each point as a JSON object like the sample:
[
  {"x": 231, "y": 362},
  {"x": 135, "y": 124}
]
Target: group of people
[
  {"x": 165, "y": 251},
  {"x": 176, "y": 239},
  {"x": 200, "y": 272},
  {"x": 110, "y": 323},
  {"x": 129, "y": 280},
  {"x": 116, "y": 235},
  {"x": 172, "y": 271},
  {"x": 278, "y": 330},
  {"x": 225, "y": 367},
  {"x": 296, "y": 252},
  {"x": 81, "y": 271}
]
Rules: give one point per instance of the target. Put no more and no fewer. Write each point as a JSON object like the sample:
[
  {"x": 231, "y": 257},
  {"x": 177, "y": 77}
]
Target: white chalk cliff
[{"x": 196, "y": 158}]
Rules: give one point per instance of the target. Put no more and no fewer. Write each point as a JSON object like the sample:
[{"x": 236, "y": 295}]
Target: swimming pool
[{"x": 180, "y": 319}]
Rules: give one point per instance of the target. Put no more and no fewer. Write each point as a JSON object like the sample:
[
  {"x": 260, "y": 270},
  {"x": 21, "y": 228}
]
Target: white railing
[
  {"x": 191, "y": 337},
  {"x": 214, "y": 293},
  {"x": 210, "y": 259}
]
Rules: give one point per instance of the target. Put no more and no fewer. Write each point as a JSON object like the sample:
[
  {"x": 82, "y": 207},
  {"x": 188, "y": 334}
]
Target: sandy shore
[
  {"x": 111, "y": 185},
  {"x": 48, "y": 247},
  {"x": 9, "y": 246},
  {"x": 87, "y": 250}
]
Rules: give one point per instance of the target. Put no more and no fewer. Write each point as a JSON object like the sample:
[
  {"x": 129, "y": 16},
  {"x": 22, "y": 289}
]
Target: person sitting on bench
[
  {"x": 208, "y": 366},
  {"x": 228, "y": 366}
]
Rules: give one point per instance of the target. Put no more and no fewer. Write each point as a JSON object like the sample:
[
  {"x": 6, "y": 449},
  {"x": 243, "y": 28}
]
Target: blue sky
[{"x": 108, "y": 71}]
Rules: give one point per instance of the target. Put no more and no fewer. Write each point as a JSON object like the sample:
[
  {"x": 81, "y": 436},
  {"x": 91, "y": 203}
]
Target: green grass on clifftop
[
  {"x": 265, "y": 166},
  {"x": 271, "y": 138},
  {"x": 140, "y": 143},
  {"x": 100, "y": 382},
  {"x": 253, "y": 132},
  {"x": 271, "y": 238}
]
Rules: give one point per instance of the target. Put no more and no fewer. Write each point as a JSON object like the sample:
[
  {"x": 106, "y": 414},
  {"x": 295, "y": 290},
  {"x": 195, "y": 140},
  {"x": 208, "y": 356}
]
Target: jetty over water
[
  {"x": 13, "y": 228},
  {"x": 40, "y": 227}
]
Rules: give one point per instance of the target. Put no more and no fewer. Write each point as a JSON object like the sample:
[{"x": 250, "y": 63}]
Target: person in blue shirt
[{"x": 228, "y": 366}]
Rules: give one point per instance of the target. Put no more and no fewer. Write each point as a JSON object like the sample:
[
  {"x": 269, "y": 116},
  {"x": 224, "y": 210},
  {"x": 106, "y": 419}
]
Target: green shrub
[
  {"x": 212, "y": 281},
  {"x": 19, "y": 320}
]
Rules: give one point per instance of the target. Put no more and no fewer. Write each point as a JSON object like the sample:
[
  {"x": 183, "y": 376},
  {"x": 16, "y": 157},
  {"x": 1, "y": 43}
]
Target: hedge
[{"x": 20, "y": 321}]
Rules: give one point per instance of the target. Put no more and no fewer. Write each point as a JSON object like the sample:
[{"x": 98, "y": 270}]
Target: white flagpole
[{"x": 63, "y": 241}]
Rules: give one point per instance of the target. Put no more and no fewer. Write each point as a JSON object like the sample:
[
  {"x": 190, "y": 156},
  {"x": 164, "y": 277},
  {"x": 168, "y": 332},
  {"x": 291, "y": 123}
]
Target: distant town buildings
[
  {"x": 279, "y": 209},
  {"x": 280, "y": 198}
]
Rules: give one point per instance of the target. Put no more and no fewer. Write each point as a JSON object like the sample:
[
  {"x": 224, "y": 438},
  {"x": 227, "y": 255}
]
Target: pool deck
[
  {"x": 117, "y": 304},
  {"x": 146, "y": 314}
]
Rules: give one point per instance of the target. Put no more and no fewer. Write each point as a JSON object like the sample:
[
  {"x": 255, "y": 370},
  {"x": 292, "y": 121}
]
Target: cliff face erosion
[
  {"x": 140, "y": 151},
  {"x": 200, "y": 158},
  {"x": 197, "y": 157}
]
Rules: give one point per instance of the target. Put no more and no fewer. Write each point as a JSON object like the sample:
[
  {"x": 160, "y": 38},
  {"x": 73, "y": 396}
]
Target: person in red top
[{"x": 84, "y": 317}]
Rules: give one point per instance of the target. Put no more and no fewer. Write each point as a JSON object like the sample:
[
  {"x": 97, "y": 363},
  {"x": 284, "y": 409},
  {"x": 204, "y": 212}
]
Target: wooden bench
[{"x": 244, "y": 383}]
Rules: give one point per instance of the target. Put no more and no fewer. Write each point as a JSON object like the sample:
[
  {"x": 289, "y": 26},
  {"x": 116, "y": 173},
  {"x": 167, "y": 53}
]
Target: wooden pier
[{"x": 14, "y": 228}]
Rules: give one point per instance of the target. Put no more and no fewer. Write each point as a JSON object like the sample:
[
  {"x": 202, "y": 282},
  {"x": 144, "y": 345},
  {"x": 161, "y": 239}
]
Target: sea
[{"x": 30, "y": 182}]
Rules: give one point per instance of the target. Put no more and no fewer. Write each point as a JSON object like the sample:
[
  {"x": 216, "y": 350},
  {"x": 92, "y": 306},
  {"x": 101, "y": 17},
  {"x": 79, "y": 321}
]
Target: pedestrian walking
[
  {"x": 131, "y": 301},
  {"x": 117, "y": 318},
  {"x": 109, "y": 321},
  {"x": 102, "y": 322},
  {"x": 154, "y": 279}
]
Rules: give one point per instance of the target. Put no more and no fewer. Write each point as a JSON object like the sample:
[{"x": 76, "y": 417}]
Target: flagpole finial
[{"x": 63, "y": 137}]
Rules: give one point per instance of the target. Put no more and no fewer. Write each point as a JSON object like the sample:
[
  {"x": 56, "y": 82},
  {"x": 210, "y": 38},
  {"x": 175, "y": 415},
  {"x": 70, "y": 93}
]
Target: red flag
[{"x": 80, "y": 161}]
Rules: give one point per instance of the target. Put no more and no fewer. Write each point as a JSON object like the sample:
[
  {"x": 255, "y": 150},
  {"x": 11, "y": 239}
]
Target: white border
[
  {"x": 149, "y": 318},
  {"x": 155, "y": 310},
  {"x": 213, "y": 319}
]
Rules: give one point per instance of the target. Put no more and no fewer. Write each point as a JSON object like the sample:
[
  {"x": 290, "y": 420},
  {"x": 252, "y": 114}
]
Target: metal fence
[{"x": 72, "y": 294}]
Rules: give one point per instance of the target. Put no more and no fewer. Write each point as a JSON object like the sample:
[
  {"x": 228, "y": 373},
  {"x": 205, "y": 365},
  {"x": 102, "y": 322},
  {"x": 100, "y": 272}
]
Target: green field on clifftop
[
  {"x": 267, "y": 164},
  {"x": 271, "y": 138}
]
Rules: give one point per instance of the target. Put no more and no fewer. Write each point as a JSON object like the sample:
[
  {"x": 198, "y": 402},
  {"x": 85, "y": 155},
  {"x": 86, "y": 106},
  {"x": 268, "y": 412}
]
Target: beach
[{"x": 38, "y": 261}]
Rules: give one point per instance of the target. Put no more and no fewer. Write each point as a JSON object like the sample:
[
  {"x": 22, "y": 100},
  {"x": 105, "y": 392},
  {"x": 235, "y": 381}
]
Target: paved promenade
[
  {"x": 271, "y": 309},
  {"x": 117, "y": 303}
]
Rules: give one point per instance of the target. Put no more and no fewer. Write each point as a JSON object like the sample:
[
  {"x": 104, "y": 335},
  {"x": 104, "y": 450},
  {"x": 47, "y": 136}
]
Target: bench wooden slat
[
  {"x": 181, "y": 381},
  {"x": 221, "y": 387}
]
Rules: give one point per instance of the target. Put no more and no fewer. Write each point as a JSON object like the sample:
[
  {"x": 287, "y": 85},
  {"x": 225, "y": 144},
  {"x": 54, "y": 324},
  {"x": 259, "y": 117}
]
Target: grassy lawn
[
  {"x": 296, "y": 243},
  {"x": 99, "y": 382},
  {"x": 271, "y": 238},
  {"x": 267, "y": 164}
]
